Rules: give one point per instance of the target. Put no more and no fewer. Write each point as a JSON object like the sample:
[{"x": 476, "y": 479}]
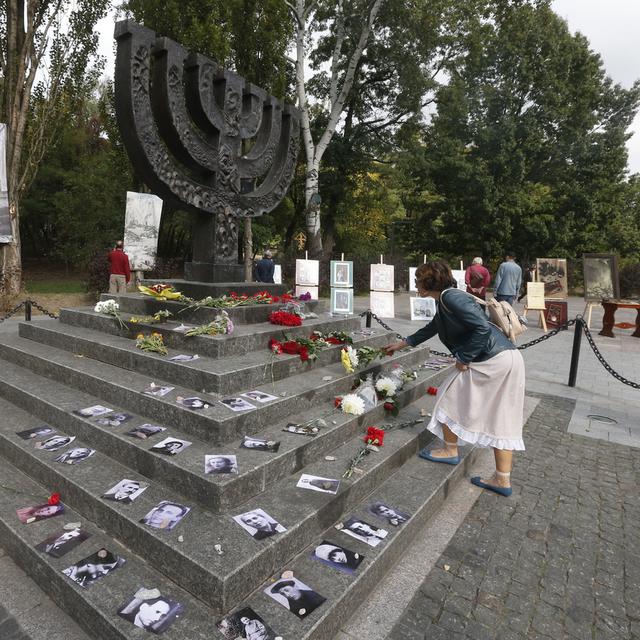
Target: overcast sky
[{"x": 612, "y": 27}]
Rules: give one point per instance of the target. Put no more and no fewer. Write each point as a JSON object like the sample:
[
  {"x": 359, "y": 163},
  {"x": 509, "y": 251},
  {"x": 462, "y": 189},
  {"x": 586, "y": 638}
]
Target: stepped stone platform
[
  {"x": 199, "y": 290},
  {"x": 51, "y": 369}
]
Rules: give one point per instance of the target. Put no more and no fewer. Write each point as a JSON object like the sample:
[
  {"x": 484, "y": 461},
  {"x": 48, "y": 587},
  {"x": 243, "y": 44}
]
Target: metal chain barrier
[
  {"x": 546, "y": 336},
  {"x": 42, "y": 309},
  {"x": 12, "y": 312},
  {"x": 27, "y": 304}
]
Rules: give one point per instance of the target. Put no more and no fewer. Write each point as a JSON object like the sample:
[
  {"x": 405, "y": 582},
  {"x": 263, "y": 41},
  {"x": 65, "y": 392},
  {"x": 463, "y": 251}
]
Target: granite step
[
  {"x": 54, "y": 403},
  {"x": 199, "y": 290},
  {"x": 245, "y": 338},
  {"x": 223, "y": 376},
  {"x": 221, "y": 581},
  {"x": 217, "y": 423}
]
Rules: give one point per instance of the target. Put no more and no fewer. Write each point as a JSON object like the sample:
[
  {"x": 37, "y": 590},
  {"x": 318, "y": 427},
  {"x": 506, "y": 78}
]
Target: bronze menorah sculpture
[{"x": 185, "y": 123}]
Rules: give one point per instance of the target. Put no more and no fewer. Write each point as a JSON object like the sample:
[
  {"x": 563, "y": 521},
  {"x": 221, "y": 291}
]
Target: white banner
[
  {"x": 141, "y": 227},
  {"x": 6, "y": 235}
]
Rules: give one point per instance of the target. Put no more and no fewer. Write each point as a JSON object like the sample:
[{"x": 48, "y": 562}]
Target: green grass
[{"x": 55, "y": 286}]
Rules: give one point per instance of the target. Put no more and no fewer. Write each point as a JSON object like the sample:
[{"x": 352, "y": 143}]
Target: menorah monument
[{"x": 203, "y": 139}]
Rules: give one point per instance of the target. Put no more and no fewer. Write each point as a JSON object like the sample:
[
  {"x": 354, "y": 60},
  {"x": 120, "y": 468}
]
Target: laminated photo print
[
  {"x": 237, "y": 404},
  {"x": 302, "y": 429},
  {"x": 259, "y": 524},
  {"x": 75, "y": 456},
  {"x": 157, "y": 390},
  {"x": 315, "y": 483},
  {"x": 259, "y": 396},
  {"x": 126, "y": 491},
  {"x": 245, "y": 623},
  {"x": 259, "y": 444},
  {"x": 54, "y": 443},
  {"x": 363, "y": 531},
  {"x": 337, "y": 557},
  {"x": 92, "y": 568},
  {"x": 393, "y": 516},
  {"x": 145, "y": 431},
  {"x": 165, "y": 515},
  {"x": 27, "y": 515},
  {"x": 184, "y": 357},
  {"x": 170, "y": 446},
  {"x": 150, "y": 612},
  {"x": 93, "y": 411},
  {"x": 113, "y": 419},
  {"x": 194, "y": 403},
  {"x": 296, "y": 596},
  {"x": 223, "y": 463},
  {"x": 61, "y": 542},
  {"x": 37, "y": 432}
]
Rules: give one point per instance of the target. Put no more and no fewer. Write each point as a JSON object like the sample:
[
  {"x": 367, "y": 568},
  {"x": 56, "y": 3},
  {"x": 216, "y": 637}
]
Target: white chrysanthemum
[
  {"x": 386, "y": 386},
  {"x": 353, "y": 356},
  {"x": 107, "y": 306},
  {"x": 353, "y": 404}
]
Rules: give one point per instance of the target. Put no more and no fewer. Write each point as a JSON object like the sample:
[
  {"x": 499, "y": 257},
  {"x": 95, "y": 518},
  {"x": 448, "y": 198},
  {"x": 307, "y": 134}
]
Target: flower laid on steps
[
  {"x": 352, "y": 403},
  {"x": 285, "y": 318},
  {"x": 157, "y": 318},
  {"x": 152, "y": 343},
  {"x": 353, "y": 359},
  {"x": 386, "y": 386},
  {"x": 111, "y": 308},
  {"x": 306, "y": 348},
  {"x": 235, "y": 300},
  {"x": 162, "y": 291},
  {"x": 220, "y": 326},
  {"x": 332, "y": 337},
  {"x": 374, "y": 436}
]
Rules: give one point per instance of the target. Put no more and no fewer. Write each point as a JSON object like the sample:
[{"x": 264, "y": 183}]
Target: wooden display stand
[
  {"x": 535, "y": 302},
  {"x": 588, "y": 307}
]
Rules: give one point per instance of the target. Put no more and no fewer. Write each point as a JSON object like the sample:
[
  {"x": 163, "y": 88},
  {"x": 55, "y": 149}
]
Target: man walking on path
[
  {"x": 119, "y": 269},
  {"x": 508, "y": 280}
]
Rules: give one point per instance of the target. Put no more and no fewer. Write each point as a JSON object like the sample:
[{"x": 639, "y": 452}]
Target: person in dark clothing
[
  {"x": 119, "y": 269},
  {"x": 529, "y": 276},
  {"x": 301, "y": 601},
  {"x": 265, "y": 268}
]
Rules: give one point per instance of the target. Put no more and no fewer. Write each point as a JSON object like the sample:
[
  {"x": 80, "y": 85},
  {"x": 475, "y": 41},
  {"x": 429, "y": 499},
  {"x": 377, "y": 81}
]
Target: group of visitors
[{"x": 509, "y": 283}]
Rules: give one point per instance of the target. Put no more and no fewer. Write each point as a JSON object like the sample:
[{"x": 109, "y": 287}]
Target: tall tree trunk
[
  {"x": 10, "y": 259},
  {"x": 312, "y": 211}
]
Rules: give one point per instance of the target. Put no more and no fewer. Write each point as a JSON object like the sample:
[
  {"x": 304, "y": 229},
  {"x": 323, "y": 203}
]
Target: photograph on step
[
  {"x": 157, "y": 390},
  {"x": 126, "y": 491},
  {"x": 145, "y": 431},
  {"x": 393, "y": 516},
  {"x": 245, "y": 623},
  {"x": 259, "y": 524},
  {"x": 113, "y": 419},
  {"x": 363, "y": 531},
  {"x": 259, "y": 396},
  {"x": 237, "y": 404},
  {"x": 295, "y": 596},
  {"x": 55, "y": 443},
  {"x": 337, "y": 557},
  {"x": 165, "y": 515},
  {"x": 222, "y": 463},
  {"x": 315, "y": 483},
  {"x": 185, "y": 357},
  {"x": 310, "y": 430},
  {"x": 38, "y": 432},
  {"x": 27, "y": 515},
  {"x": 61, "y": 542},
  {"x": 93, "y": 411},
  {"x": 148, "y": 609},
  {"x": 194, "y": 403},
  {"x": 92, "y": 568},
  {"x": 170, "y": 446},
  {"x": 259, "y": 444},
  {"x": 75, "y": 456}
]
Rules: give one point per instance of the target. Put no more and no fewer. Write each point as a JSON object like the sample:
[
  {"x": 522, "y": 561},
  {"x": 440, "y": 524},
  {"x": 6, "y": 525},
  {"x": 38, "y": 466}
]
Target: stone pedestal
[{"x": 211, "y": 272}]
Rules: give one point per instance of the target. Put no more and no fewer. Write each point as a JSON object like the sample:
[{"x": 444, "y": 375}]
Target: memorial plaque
[{"x": 141, "y": 226}]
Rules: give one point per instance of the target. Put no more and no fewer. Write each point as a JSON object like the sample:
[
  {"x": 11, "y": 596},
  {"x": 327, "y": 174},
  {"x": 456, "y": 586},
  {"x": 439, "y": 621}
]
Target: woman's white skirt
[{"x": 484, "y": 405}]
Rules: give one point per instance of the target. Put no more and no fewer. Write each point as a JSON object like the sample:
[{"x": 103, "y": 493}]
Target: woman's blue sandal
[
  {"x": 426, "y": 454},
  {"x": 503, "y": 491}
]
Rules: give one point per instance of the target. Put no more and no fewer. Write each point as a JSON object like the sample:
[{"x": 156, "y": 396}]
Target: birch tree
[
  {"x": 344, "y": 66},
  {"x": 45, "y": 52}
]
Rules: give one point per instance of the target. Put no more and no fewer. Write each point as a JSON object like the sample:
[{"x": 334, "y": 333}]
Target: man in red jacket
[
  {"x": 477, "y": 278},
  {"x": 119, "y": 270}
]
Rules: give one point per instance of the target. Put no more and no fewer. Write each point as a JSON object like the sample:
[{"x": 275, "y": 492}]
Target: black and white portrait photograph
[
  {"x": 295, "y": 596},
  {"x": 54, "y": 443},
  {"x": 315, "y": 483},
  {"x": 259, "y": 524},
  {"x": 170, "y": 446},
  {"x": 194, "y": 403},
  {"x": 145, "y": 431},
  {"x": 259, "y": 444},
  {"x": 302, "y": 429},
  {"x": 342, "y": 301},
  {"x": 92, "y": 412},
  {"x": 393, "y": 516},
  {"x": 126, "y": 491},
  {"x": 422, "y": 309},
  {"x": 382, "y": 277},
  {"x": 341, "y": 273},
  {"x": 27, "y": 515},
  {"x": 382, "y": 303},
  {"x": 61, "y": 542},
  {"x": 96, "y": 566},
  {"x": 237, "y": 404},
  {"x": 113, "y": 419},
  {"x": 220, "y": 464},
  {"x": 37, "y": 432},
  {"x": 245, "y": 624},
  {"x": 363, "y": 531},
  {"x": 151, "y": 614},
  {"x": 165, "y": 515},
  {"x": 337, "y": 557},
  {"x": 259, "y": 396},
  {"x": 307, "y": 272},
  {"x": 75, "y": 456},
  {"x": 185, "y": 357},
  {"x": 157, "y": 390}
]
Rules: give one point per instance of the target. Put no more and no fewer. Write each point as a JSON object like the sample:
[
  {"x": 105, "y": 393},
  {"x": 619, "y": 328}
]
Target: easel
[
  {"x": 588, "y": 307},
  {"x": 535, "y": 294},
  {"x": 542, "y": 322}
]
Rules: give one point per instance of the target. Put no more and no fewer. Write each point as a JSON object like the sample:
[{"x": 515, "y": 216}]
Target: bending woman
[{"x": 481, "y": 402}]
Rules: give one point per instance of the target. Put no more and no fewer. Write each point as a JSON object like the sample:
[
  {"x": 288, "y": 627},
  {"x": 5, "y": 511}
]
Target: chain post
[
  {"x": 368, "y": 322},
  {"x": 575, "y": 352},
  {"x": 27, "y": 310}
]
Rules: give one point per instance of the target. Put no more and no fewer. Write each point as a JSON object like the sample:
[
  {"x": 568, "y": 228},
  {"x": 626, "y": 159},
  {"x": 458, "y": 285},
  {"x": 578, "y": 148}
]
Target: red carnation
[
  {"x": 275, "y": 346},
  {"x": 334, "y": 341},
  {"x": 337, "y": 402},
  {"x": 285, "y": 318},
  {"x": 432, "y": 391},
  {"x": 389, "y": 406},
  {"x": 275, "y": 299},
  {"x": 374, "y": 436},
  {"x": 304, "y": 354},
  {"x": 54, "y": 498},
  {"x": 291, "y": 347}
]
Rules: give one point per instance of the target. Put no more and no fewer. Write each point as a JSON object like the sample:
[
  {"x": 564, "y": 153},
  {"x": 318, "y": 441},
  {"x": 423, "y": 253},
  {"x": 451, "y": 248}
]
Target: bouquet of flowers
[
  {"x": 157, "y": 318},
  {"x": 161, "y": 291},
  {"x": 285, "y": 318},
  {"x": 233, "y": 300},
  {"x": 333, "y": 337},
  {"x": 221, "y": 325},
  {"x": 364, "y": 399},
  {"x": 111, "y": 308},
  {"x": 306, "y": 348},
  {"x": 353, "y": 359},
  {"x": 152, "y": 343}
]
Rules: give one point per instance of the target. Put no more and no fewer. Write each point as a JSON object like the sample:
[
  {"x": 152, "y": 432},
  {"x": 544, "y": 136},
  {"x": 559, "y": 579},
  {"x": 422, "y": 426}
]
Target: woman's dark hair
[{"x": 434, "y": 276}]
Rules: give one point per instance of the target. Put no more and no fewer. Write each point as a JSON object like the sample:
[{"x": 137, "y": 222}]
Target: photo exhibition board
[
  {"x": 382, "y": 277},
  {"x": 341, "y": 273},
  {"x": 535, "y": 296},
  {"x": 422, "y": 309},
  {"x": 382, "y": 304},
  {"x": 141, "y": 227},
  {"x": 301, "y": 289},
  {"x": 412, "y": 279},
  {"x": 308, "y": 272},
  {"x": 277, "y": 274},
  {"x": 553, "y": 273},
  {"x": 556, "y": 313},
  {"x": 458, "y": 276},
  {"x": 6, "y": 235},
  {"x": 600, "y": 277},
  {"x": 341, "y": 301}
]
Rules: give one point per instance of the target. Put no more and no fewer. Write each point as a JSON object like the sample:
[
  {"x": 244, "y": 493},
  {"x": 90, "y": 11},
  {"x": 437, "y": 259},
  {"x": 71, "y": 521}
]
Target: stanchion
[
  {"x": 575, "y": 352},
  {"x": 368, "y": 321},
  {"x": 27, "y": 310}
]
